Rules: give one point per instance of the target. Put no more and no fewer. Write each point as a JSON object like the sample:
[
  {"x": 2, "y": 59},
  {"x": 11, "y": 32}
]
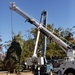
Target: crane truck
[{"x": 67, "y": 67}]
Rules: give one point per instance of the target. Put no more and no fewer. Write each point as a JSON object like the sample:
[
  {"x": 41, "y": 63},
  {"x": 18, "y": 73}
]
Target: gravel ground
[{"x": 22, "y": 73}]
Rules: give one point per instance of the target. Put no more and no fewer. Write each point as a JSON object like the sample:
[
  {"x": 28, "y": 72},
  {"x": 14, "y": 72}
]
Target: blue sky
[{"x": 60, "y": 13}]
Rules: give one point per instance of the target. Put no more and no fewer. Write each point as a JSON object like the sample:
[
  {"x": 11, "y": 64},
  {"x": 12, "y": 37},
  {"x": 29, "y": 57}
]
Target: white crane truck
[{"x": 67, "y": 67}]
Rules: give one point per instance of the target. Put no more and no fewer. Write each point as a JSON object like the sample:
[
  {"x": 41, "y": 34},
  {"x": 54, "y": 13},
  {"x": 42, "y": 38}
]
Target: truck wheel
[
  {"x": 69, "y": 73},
  {"x": 72, "y": 72}
]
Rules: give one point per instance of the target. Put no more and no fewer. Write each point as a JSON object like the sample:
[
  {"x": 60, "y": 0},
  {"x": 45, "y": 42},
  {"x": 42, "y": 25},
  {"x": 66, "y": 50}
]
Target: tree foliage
[
  {"x": 20, "y": 49},
  {"x": 53, "y": 49},
  {"x": 17, "y": 52},
  {"x": 12, "y": 58}
]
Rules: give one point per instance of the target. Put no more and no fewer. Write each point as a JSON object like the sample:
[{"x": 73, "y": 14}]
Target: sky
[{"x": 61, "y": 13}]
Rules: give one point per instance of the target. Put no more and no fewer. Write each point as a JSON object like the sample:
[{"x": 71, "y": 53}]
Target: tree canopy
[{"x": 20, "y": 49}]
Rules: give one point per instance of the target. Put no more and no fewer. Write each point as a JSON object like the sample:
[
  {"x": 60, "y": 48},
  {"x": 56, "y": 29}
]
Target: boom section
[{"x": 39, "y": 26}]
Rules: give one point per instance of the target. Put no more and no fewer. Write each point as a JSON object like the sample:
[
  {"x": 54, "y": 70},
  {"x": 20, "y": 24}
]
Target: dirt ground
[{"x": 22, "y": 73}]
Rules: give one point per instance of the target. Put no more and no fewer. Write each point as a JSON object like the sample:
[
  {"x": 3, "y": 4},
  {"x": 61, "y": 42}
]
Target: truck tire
[{"x": 70, "y": 72}]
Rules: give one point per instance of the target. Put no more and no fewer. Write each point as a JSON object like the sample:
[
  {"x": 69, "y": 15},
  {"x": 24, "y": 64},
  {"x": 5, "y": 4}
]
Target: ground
[{"x": 22, "y": 73}]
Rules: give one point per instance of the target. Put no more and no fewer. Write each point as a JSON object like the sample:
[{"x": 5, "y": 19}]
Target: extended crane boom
[{"x": 39, "y": 26}]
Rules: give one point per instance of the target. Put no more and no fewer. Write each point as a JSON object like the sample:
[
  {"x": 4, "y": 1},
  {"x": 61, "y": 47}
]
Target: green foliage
[
  {"x": 20, "y": 49},
  {"x": 53, "y": 49},
  {"x": 12, "y": 58},
  {"x": 1, "y": 65},
  {"x": 27, "y": 50}
]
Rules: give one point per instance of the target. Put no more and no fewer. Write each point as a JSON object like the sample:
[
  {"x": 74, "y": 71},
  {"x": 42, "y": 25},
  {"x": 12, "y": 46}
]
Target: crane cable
[{"x": 11, "y": 24}]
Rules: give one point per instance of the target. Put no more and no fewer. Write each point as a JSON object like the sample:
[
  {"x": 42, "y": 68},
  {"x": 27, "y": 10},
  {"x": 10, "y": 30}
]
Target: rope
[{"x": 11, "y": 24}]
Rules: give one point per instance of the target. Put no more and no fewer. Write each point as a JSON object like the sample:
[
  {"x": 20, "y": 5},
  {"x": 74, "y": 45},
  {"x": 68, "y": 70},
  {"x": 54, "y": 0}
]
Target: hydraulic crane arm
[
  {"x": 39, "y": 26},
  {"x": 23, "y": 14}
]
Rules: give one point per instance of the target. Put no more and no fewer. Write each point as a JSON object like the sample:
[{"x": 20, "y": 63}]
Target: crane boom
[{"x": 39, "y": 26}]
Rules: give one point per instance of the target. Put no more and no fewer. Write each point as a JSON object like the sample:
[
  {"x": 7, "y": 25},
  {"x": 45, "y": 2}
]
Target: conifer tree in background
[{"x": 12, "y": 59}]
